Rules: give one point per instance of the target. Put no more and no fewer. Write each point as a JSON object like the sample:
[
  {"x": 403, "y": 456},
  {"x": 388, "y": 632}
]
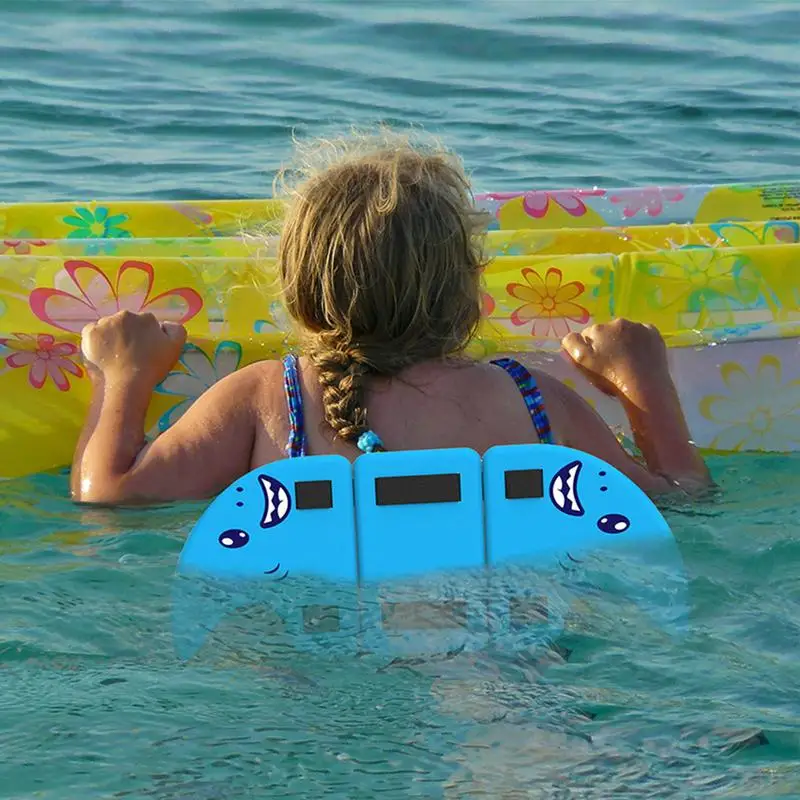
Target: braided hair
[{"x": 342, "y": 377}]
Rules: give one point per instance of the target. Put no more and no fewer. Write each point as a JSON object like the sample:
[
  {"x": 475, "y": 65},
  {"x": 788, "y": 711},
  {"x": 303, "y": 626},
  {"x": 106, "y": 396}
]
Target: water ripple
[{"x": 151, "y": 100}]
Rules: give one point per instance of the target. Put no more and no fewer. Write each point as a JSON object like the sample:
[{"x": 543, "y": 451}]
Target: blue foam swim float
[{"x": 416, "y": 552}]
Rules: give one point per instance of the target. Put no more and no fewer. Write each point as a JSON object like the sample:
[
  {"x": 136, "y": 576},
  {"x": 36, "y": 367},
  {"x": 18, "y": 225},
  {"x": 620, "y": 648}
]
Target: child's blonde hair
[{"x": 379, "y": 264}]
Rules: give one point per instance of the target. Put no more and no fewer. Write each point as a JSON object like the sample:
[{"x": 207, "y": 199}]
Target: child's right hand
[
  {"x": 619, "y": 358},
  {"x": 133, "y": 347}
]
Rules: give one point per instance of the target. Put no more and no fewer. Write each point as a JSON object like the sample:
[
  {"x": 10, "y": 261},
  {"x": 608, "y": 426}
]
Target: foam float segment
[
  {"x": 419, "y": 516},
  {"x": 550, "y": 507},
  {"x": 283, "y": 535}
]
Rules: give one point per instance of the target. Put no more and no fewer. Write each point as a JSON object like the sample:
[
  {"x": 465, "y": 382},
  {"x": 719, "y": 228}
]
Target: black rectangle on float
[
  {"x": 424, "y": 615},
  {"x": 524, "y": 484},
  {"x": 403, "y": 490},
  {"x": 309, "y": 495}
]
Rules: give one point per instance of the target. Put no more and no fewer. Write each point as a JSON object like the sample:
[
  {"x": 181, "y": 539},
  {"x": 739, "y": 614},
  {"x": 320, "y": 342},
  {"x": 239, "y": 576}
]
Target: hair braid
[{"x": 341, "y": 376}]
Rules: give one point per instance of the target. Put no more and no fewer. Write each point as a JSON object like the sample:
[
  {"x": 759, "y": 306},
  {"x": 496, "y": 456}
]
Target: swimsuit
[{"x": 297, "y": 444}]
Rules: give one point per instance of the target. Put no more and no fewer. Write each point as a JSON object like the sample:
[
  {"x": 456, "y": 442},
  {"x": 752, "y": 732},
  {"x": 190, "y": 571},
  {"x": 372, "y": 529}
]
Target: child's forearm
[
  {"x": 662, "y": 434},
  {"x": 112, "y": 438}
]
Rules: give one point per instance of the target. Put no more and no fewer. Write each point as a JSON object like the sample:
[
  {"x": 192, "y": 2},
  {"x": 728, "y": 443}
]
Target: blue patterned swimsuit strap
[
  {"x": 531, "y": 395},
  {"x": 296, "y": 446}
]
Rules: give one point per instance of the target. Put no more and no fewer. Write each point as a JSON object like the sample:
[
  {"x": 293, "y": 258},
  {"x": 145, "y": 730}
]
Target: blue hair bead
[{"x": 369, "y": 441}]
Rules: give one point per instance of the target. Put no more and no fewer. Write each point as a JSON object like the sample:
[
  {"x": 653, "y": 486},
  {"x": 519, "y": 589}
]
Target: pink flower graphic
[
  {"x": 537, "y": 203},
  {"x": 549, "y": 303},
  {"x": 45, "y": 357},
  {"x": 194, "y": 213},
  {"x": 21, "y": 247},
  {"x": 651, "y": 201},
  {"x": 488, "y": 304},
  {"x": 97, "y": 298}
]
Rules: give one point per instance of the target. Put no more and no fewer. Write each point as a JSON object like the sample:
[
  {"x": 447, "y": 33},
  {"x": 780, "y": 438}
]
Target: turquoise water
[
  {"x": 94, "y": 704},
  {"x": 149, "y": 98},
  {"x": 143, "y": 99}
]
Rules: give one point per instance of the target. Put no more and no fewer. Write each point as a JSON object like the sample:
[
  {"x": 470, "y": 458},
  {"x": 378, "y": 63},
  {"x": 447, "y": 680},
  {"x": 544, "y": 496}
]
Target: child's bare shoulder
[
  {"x": 253, "y": 385},
  {"x": 260, "y": 371}
]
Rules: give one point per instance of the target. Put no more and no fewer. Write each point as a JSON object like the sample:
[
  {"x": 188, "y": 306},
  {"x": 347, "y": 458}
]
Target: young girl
[{"x": 380, "y": 269}]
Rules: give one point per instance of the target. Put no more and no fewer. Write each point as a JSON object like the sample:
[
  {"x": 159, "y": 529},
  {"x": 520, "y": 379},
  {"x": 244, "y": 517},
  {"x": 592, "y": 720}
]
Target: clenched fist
[
  {"x": 133, "y": 346},
  {"x": 617, "y": 356}
]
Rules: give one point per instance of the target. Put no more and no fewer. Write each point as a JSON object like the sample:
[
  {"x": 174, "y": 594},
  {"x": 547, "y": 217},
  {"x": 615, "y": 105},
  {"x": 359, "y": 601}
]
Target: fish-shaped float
[{"x": 419, "y": 552}]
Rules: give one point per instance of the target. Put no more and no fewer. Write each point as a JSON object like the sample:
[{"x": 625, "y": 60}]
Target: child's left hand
[{"x": 129, "y": 347}]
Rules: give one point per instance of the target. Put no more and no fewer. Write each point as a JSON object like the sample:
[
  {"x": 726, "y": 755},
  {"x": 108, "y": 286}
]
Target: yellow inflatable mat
[
  {"x": 545, "y": 242},
  {"x": 723, "y": 290}
]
